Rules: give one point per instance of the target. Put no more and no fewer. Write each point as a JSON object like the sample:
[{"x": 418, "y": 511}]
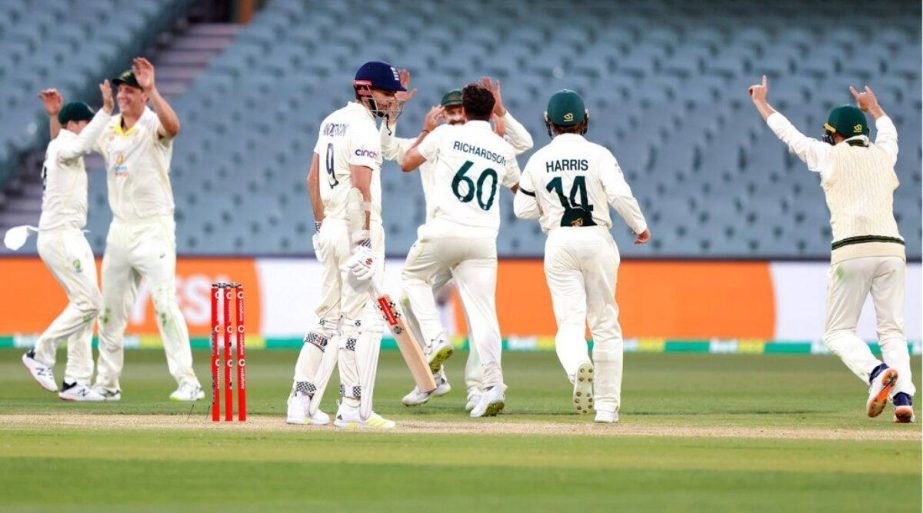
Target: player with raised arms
[
  {"x": 450, "y": 111},
  {"x": 568, "y": 186},
  {"x": 867, "y": 254},
  {"x": 470, "y": 162},
  {"x": 63, "y": 247}
]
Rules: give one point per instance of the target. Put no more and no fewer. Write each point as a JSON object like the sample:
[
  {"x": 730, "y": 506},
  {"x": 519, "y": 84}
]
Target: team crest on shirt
[
  {"x": 78, "y": 266},
  {"x": 120, "y": 168}
]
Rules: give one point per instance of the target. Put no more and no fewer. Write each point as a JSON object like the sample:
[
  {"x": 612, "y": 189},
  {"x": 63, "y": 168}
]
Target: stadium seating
[{"x": 665, "y": 82}]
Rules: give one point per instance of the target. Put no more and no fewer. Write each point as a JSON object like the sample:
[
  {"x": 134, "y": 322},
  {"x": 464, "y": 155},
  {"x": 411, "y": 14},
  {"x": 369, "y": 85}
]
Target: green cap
[
  {"x": 452, "y": 98},
  {"x": 566, "y": 108},
  {"x": 127, "y": 78},
  {"x": 847, "y": 121},
  {"x": 75, "y": 111}
]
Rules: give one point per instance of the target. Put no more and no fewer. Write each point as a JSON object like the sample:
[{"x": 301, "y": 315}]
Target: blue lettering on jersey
[
  {"x": 335, "y": 129},
  {"x": 366, "y": 153}
]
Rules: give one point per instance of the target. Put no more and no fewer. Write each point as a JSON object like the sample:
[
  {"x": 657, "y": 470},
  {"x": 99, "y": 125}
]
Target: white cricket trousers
[
  {"x": 471, "y": 256},
  {"x": 850, "y": 283},
  {"x": 134, "y": 251},
  {"x": 347, "y": 314},
  {"x": 581, "y": 265},
  {"x": 473, "y": 372},
  {"x": 69, "y": 258}
]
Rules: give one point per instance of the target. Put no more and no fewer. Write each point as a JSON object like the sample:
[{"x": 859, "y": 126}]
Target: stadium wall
[{"x": 707, "y": 306}]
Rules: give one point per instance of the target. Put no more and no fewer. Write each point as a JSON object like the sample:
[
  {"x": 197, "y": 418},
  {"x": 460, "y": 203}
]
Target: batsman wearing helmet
[
  {"x": 65, "y": 250},
  {"x": 867, "y": 253},
  {"x": 568, "y": 186},
  {"x": 344, "y": 183},
  {"x": 137, "y": 146},
  {"x": 450, "y": 111}
]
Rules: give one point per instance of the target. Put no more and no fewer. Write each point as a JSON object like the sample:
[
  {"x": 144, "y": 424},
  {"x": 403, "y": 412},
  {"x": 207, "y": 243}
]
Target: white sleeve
[
  {"x": 525, "y": 206},
  {"x": 429, "y": 147},
  {"x": 512, "y": 174},
  {"x": 86, "y": 141},
  {"x": 886, "y": 138},
  {"x": 619, "y": 195},
  {"x": 364, "y": 145},
  {"x": 393, "y": 147},
  {"x": 516, "y": 134},
  {"x": 814, "y": 153}
]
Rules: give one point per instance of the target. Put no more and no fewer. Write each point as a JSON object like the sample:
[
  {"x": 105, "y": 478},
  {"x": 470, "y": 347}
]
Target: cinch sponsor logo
[{"x": 366, "y": 153}]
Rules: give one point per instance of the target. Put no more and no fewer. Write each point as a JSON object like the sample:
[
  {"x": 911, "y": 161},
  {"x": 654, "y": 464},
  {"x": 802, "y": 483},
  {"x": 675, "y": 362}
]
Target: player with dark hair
[
  {"x": 451, "y": 111},
  {"x": 568, "y": 186},
  {"x": 470, "y": 162},
  {"x": 867, "y": 254}
]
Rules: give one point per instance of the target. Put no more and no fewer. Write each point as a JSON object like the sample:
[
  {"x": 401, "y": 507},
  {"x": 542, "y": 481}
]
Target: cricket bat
[{"x": 410, "y": 349}]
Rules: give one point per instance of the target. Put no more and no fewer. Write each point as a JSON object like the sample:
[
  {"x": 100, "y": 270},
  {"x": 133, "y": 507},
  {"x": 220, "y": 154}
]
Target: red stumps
[{"x": 228, "y": 326}]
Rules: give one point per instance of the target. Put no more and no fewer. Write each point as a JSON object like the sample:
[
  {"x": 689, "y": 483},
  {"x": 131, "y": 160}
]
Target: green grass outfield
[{"x": 698, "y": 433}]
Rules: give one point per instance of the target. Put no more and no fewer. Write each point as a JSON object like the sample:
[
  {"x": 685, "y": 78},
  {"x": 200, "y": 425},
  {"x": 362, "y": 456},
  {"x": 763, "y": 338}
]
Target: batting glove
[{"x": 362, "y": 262}]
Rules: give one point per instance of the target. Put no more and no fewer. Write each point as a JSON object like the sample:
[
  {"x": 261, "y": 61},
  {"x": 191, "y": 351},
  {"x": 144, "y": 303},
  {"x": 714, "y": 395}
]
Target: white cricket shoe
[
  {"x": 187, "y": 392},
  {"x": 108, "y": 394},
  {"x": 583, "y": 388},
  {"x": 416, "y": 398},
  {"x": 80, "y": 393},
  {"x": 607, "y": 417},
  {"x": 348, "y": 418},
  {"x": 42, "y": 374},
  {"x": 879, "y": 390},
  {"x": 299, "y": 408},
  {"x": 492, "y": 401},
  {"x": 474, "y": 397},
  {"x": 438, "y": 353}
]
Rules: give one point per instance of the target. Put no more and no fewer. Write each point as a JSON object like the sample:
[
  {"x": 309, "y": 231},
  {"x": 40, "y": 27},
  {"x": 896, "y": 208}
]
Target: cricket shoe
[
  {"x": 79, "y": 392},
  {"x": 583, "y": 388},
  {"x": 348, "y": 417},
  {"x": 43, "y": 374},
  {"x": 416, "y": 397},
  {"x": 903, "y": 409},
  {"x": 607, "y": 417},
  {"x": 881, "y": 383},
  {"x": 108, "y": 394},
  {"x": 187, "y": 392},
  {"x": 474, "y": 397},
  {"x": 438, "y": 353},
  {"x": 299, "y": 409},
  {"x": 492, "y": 401}
]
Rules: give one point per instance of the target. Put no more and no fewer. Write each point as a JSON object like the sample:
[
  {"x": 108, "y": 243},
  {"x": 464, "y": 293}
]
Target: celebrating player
[
  {"x": 394, "y": 148},
  {"x": 346, "y": 203},
  {"x": 137, "y": 146},
  {"x": 63, "y": 247},
  {"x": 460, "y": 236},
  {"x": 867, "y": 255},
  {"x": 567, "y": 186}
]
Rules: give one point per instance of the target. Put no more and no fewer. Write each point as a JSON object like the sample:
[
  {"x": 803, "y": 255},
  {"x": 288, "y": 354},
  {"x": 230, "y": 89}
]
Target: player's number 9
[
  {"x": 472, "y": 190},
  {"x": 331, "y": 175}
]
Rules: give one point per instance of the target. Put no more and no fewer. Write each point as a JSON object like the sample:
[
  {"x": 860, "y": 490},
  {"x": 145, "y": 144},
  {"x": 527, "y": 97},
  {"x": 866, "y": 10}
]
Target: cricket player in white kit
[
  {"x": 137, "y": 146},
  {"x": 470, "y": 162},
  {"x": 568, "y": 186},
  {"x": 867, "y": 255},
  {"x": 450, "y": 110},
  {"x": 65, "y": 250},
  {"x": 345, "y": 187}
]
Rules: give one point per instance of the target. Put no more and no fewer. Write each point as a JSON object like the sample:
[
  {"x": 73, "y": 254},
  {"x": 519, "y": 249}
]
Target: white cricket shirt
[
  {"x": 64, "y": 177},
  {"x": 470, "y": 163},
  {"x": 571, "y": 182},
  {"x": 347, "y": 137}
]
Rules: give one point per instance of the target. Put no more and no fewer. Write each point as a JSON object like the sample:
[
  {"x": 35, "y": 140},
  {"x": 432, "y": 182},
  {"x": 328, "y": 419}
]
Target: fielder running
[
  {"x": 567, "y": 186},
  {"x": 346, "y": 202},
  {"x": 867, "y": 254},
  {"x": 393, "y": 148},
  {"x": 469, "y": 162},
  {"x": 65, "y": 250},
  {"x": 137, "y": 146}
]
